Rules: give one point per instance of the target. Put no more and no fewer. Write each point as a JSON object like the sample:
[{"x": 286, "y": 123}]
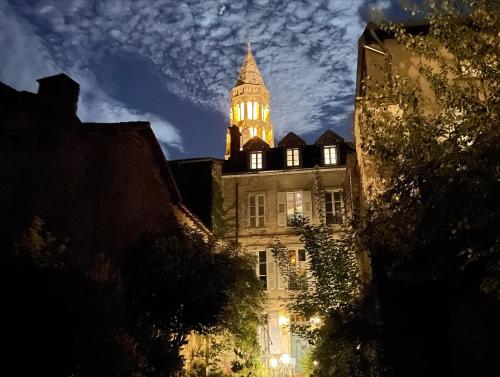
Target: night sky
[{"x": 174, "y": 62}]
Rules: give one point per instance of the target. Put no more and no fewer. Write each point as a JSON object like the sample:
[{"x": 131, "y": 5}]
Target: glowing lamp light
[
  {"x": 273, "y": 363},
  {"x": 315, "y": 363},
  {"x": 283, "y": 321},
  {"x": 285, "y": 359},
  {"x": 315, "y": 320}
]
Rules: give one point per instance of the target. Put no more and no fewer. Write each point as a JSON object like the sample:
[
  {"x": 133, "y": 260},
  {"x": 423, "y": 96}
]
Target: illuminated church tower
[{"x": 250, "y": 109}]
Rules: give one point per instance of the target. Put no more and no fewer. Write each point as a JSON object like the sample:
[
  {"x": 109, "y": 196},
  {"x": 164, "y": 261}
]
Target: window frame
[
  {"x": 335, "y": 218},
  {"x": 262, "y": 266},
  {"x": 294, "y": 157},
  {"x": 330, "y": 148},
  {"x": 257, "y": 166},
  {"x": 294, "y": 193},
  {"x": 260, "y": 220}
]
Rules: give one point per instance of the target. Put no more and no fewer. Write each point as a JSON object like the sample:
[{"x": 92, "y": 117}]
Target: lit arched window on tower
[
  {"x": 231, "y": 115},
  {"x": 261, "y": 112},
  {"x": 263, "y": 134},
  {"x": 242, "y": 110},
  {"x": 249, "y": 110},
  {"x": 255, "y": 110},
  {"x": 236, "y": 113},
  {"x": 266, "y": 112}
]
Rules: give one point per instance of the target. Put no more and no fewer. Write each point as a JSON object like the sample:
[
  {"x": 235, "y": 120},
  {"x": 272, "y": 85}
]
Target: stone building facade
[{"x": 264, "y": 187}]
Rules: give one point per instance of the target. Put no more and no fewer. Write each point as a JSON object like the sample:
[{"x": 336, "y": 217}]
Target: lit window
[
  {"x": 256, "y": 160},
  {"x": 249, "y": 110},
  {"x": 263, "y": 134},
  {"x": 263, "y": 268},
  {"x": 255, "y": 111},
  {"x": 237, "y": 113},
  {"x": 334, "y": 207},
  {"x": 292, "y": 157},
  {"x": 242, "y": 111},
  {"x": 256, "y": 210},
  {"x": 293, "y": 206},
  {"x": 330, "y": 153},
  {"x": 231, "y": 114},
  {"x": 298, "y": 259},
  {"x": 266, "y": 112}
]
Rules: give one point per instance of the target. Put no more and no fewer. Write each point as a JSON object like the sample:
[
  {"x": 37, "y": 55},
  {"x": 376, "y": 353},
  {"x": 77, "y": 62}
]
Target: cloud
[
  {"x": 30, "y": 58},
  {"x": 306, "y": 49}
]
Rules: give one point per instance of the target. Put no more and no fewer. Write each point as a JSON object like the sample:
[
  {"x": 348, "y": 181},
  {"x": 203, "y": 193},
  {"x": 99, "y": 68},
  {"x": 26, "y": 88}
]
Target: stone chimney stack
[
  {"x": 235, "y": 135},
  {"x": 59, "y": 94}
]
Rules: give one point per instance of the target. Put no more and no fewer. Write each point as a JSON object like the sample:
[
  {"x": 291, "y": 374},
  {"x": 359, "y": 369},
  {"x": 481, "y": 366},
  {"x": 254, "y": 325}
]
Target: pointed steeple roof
[{"x": 249, "y": 73}]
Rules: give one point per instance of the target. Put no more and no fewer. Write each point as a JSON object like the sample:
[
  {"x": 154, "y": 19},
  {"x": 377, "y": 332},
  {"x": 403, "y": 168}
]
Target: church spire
[
  {"x": 249, "y": 73},
  {"x": 250, "y": 110}
]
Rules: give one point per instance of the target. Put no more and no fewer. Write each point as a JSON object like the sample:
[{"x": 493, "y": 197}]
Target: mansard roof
[
  {"x": 291, "y": 140},
  {"x": 311, "y": 155}
]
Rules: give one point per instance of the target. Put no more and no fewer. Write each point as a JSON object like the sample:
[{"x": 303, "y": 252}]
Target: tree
[
  {"x": 433, "y": 229},
  {"x": 83, "y": 316},
  {"x": 339, "y": 312},
  {"x": 186, "y": 284}
]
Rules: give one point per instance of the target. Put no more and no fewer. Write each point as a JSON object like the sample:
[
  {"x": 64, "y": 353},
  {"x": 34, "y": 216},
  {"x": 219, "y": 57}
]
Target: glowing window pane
[
  {"x": 249, "y": 110},
  {"x": 236, "y": 113},
  {"x": 231, "y": 114},
  {"x": 330, "y": 153},
  {"x": 242, "y": 111},
  {"x": 255, "y": 111},
  {"x": 292, "y": 157},
  {"x": 263, "y": 134},
  {"x": 256, "y": 160}
]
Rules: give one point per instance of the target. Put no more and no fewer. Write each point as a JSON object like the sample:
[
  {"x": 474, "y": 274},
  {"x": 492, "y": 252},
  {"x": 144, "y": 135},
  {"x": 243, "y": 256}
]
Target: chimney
[
  {"x": 59, "y": 93},
  {"x": 235, "y": 135}
]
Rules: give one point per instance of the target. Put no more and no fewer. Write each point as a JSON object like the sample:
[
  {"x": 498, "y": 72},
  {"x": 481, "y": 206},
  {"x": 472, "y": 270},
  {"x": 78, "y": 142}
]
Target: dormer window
[
  {"x": 330, "y": 154},
  {"x": 255, "y": 160},
  {"x": 292, "y": 157}
]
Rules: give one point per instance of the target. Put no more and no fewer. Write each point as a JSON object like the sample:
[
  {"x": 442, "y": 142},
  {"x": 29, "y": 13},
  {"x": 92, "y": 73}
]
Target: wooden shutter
[
  {"x": 307, "y": 205},
  {"x": 281, "y": 209},
  {"x": 281, "y": 281},
  {"x": 271, "y": 270}
]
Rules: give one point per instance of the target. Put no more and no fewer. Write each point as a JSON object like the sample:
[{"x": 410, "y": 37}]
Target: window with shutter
[
  {"x": 281, "y": 209},
  {"x": 293, "y": 204}
]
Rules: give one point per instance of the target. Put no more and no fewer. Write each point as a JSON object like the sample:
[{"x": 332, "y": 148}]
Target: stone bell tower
[{"x": 250, "y": 110}]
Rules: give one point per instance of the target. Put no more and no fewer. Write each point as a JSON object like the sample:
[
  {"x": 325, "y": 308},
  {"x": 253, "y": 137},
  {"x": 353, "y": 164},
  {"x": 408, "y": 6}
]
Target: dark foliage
[{"x": 84, "y": 318}]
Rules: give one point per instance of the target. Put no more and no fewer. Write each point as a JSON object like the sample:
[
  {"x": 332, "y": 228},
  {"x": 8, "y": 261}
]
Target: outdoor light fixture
[
  {"x": 283, "y": 321},
  {"x": 273, "y": 363},
  {"x": 285, "y": 359},
  {"x": 315, "y": 320}
]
